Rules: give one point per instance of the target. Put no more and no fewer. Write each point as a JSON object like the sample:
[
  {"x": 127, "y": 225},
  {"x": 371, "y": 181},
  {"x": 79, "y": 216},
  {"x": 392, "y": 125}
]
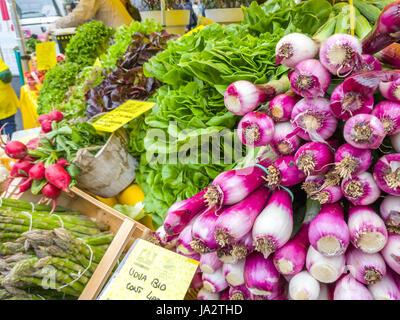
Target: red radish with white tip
[
  {"x": 51, "y": 192},
  {"x": 56, "y": 116},
  {"x": 46, "y": 126},
  {"x": 57, "y": 176}
]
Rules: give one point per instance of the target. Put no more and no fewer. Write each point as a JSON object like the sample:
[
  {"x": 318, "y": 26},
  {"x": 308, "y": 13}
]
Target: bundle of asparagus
[{"x": 47, "y": 256}]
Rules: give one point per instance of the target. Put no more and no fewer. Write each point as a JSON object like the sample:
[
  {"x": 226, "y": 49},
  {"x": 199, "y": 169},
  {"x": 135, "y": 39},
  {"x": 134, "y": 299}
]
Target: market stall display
[{"x": 269, "y": 151}]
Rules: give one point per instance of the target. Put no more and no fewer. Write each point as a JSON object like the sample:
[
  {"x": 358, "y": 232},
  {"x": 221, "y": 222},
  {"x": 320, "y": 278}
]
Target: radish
[
  {"x": 13, "y": 149},
  {"x": 33, "y": 143},
  {"x": 19, "y": 170},
  {"x": 24, "y": 185},
  {"x": 56, "y": 116},
  {"x": 46, "y": 126},
  {"x": 57, "y": 176},
  {"x": 43, "y": 117},
  {"x": 52, "y": 192},
  {"x": 63, "y": 162},
  {"x": 37, "y": 172}
]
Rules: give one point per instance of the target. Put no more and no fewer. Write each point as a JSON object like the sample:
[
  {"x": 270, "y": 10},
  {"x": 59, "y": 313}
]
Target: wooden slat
[{"x": 107, "y": 263}]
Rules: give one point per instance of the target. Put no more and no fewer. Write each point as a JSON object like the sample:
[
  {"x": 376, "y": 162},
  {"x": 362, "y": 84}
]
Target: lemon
[
  {"x": 111, "y": 202},
  {"x": 131, "y": 195}
]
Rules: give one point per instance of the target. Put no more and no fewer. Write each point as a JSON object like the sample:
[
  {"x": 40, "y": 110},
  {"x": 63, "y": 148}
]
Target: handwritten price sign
[{"x": 150, "y": 272}]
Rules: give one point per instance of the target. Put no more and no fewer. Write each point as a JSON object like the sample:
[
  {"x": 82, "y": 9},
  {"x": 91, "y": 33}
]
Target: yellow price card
[
  {"x": 150, "y": 272},
  {"x": 201, "y": 27},
  {"x": 3, "y": 65},
  {"x": 46, "y": 55},
  {"x": 97, "y": 63},
  {"x": 126, "y": 112},
  {"x": 204, "y": 21}
]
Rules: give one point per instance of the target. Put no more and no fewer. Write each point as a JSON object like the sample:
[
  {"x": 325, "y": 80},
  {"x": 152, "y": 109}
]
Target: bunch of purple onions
[{"x": 240, "y": 227}]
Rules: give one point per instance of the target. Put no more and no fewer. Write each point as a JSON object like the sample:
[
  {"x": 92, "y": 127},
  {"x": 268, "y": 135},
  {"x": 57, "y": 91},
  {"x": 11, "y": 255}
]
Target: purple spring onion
[
  {"x": 234, "y": 273},
  {"x": 209, "y": 262},
  {"x": 367, "y": 230},
  {"x": 390, "y": 212},
  {"x": 281, "y": 292},
  {"x": 340, "y": 54},
  {"x": 204, "y": 294},
  {"x": 364, "y": 131},
  {"x": 240, "y": 293},
  {"x": 385, "y": 31},
  {"x": 242, "y": 97},
  {"x": 370, "y": 63},
  {"x": 309, "y": 79},
  {"x": 390, "y": 90},
  {"x": 195, "y": 256},
  {"x": 224, "y": 254},
  {"x": 243, "y": 247},
  {"x": 313, "y": 119},
  {"x": 184, "y": 240},
  {"x": 197, "y": 281},
  {"x": 313, "y": 158},
  {"x": 350, "y": 160},
  {"x": 256, "y": 129},
  {"x": 203, "y": 231},
  {"x": 303, "y": 287},
  {"x": 348, "y": 288},
  {"x": 367, "y": 268},
  {"x": 313, "y": 184},
  {"x": 181, "y": 213},
  {"x": 328, "y": 232},
  {"x": 215, "y": 282},
  {"x": 284, "y": 172},
  {"x": 162, "y": 239},
  {"x": 391, "y": 252},
  {"x": 285, "y": 142},
  {"x": 280, "y": 108},
  {"x": 387, "y": 173},
  {"x": 346, "y": 105},
  {"x": 385, "y": 289},
  {"x": 361, "y": 189},
  {"x": 293, "y": 48},
  {"x": 234, "y": 223},
  {"x": 329, "y": 194},
  {"x": 231, "y": 187},
  {"x": 388, "y": 112},
  {"x": 274, "y": 225},
  {"x": 324, "y": 269},
  {"x": 260, "y": 275},
  {"x": 291, "y": 257}
]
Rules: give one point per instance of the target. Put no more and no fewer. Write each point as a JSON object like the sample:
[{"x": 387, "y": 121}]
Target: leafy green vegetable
[
  {"x": 55, "y": 85},
  {"x": 134, "y": 212},
  {"x": 90, "y": 41},
  {"x": 123, "y": 38}
]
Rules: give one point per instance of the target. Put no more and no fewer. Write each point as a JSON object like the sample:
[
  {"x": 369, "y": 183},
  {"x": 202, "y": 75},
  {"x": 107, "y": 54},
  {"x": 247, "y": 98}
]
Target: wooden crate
[{"x": 125, "y": 229}]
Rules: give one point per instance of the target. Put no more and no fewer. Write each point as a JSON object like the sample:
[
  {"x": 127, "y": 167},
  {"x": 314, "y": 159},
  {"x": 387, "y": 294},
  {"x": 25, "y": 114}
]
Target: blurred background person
[{"x": 9, "y": 103}]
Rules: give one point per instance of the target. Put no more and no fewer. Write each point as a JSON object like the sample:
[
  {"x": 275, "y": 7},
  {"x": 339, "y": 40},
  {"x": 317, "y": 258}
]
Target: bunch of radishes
[
  {"x": 240, "y": 227},
  {"x": 29, "y": 168}
]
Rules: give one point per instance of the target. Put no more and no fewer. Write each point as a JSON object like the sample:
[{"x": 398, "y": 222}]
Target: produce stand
[{"x": 263, "y": 156}]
